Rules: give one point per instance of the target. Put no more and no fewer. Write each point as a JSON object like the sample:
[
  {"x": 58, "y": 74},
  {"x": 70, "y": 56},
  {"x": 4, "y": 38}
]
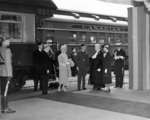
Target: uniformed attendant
[
  {"x": 82, "y": 62},
  {"x": 6, "y": 73},
  {"x": 97, "y": 68},
  {"x": 119, "y": 57}
]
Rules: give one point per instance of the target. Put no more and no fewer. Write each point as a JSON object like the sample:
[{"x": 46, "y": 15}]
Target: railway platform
[{"x": 120, "y": 104}]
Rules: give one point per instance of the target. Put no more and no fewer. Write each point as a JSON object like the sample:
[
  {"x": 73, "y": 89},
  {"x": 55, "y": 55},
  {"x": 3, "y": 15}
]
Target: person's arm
[
  {"x": 88, "y": 63},
  {"x": 77, "y": 59}
]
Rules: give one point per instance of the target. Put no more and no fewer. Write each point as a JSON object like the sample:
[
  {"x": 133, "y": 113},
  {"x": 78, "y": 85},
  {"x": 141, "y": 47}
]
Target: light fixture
[
  {"x": 96, "y": 17},
  {"x": 113, "y": 19},
  {"x": 76, "y": 15},
  {"x": 74, "y": 36}
]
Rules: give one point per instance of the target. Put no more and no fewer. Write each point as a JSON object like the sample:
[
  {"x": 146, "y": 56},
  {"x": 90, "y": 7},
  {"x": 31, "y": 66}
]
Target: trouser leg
[
  {"x": 4, "y": 101},
  {"x": 117, "y": 80},
  {"x": 44, "y": 84},
  {"x": 40, "y": 83},
  {"x": 36, "y": 83},
  {"x": 79, "y": 81},
  {"x": 83, "y": 81},
  {"x": 121, "y": 81}
]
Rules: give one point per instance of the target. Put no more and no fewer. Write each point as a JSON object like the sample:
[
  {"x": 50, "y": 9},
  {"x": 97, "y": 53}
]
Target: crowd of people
[
  {"x": 98, "y": 66},
  {"x": 59, "y": 65}
]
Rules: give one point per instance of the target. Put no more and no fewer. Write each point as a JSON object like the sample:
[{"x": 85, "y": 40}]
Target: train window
[{"x": 11, "y": 26}]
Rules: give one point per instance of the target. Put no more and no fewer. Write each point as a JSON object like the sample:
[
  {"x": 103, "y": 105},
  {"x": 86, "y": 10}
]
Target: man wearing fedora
[{"x": 119, "y": 57}]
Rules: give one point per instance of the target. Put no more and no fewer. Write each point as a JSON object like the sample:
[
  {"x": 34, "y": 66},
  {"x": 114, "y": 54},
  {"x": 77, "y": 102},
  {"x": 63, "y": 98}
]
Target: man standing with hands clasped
[
  {"x": 119, "y": 57},
  {"x": 82, "y": 63}
]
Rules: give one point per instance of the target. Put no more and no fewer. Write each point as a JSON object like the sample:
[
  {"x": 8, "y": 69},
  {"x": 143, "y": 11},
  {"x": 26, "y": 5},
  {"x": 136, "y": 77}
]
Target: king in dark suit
[{"x": 47, "y": 67}]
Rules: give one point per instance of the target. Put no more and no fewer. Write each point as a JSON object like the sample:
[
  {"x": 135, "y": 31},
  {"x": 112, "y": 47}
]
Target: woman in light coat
[
  {"x": 6, "y": 73},
  {"x": 64, "y": 68}
]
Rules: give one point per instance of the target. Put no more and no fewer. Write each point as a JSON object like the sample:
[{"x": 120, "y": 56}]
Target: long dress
[
  {"x": 64, "y": 69},
  {"x": 97, "y": 71}
]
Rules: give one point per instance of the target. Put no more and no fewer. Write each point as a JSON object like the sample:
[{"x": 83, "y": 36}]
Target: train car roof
[{"x": 94, "y": 6}]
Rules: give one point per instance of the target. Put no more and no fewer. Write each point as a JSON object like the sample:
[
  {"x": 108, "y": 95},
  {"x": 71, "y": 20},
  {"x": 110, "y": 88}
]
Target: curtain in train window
[{"x": 11, "y": 27}]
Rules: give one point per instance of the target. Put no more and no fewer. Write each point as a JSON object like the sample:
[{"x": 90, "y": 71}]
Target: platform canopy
[
  {"x": 93, "y": 6},
  {"x": 128, "y": 2}
]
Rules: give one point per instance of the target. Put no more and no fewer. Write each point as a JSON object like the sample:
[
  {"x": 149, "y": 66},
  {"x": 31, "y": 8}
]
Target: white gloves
[
  {"x": 106, "y": 71},
  {"x": 98, "y": 70}
]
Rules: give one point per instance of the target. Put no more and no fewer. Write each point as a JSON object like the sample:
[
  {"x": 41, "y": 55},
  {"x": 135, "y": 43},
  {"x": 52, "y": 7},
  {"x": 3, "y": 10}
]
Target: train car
[
  {"x": 18, "y": 21},
  {"x": 25, "y": 22},
  {"x": 74, "y": 32}
]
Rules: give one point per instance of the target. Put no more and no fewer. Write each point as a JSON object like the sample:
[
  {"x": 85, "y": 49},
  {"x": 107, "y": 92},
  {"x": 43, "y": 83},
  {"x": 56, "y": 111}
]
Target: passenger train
[{"x": 26, "y": 25}]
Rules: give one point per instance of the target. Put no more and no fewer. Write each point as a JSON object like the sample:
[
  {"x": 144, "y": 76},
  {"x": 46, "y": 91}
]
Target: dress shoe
[
  {"x": 64, "y": 89},
  {"x": 98, "y": 89},
  {"x": 59, "y": 89},
  {"x": 84, "y": 88},
  {"x": 45, "y": 93},
  {"x": 108, "y": 90},
  {"x": 8, "y": 110}
]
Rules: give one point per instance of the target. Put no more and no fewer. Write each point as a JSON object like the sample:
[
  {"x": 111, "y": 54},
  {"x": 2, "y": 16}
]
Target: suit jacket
[
  {"x": 82, "y": 61},
  {"x": 37, "y": 57},
  {"x": 47, "y": 64},
  {"x": 119, "y": 63}
]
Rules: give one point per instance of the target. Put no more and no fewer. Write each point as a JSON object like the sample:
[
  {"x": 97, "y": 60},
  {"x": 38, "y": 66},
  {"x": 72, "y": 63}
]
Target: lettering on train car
[{"x": 98, "y": 28}]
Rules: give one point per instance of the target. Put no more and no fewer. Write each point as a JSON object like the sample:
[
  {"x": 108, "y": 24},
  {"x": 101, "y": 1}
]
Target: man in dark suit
[
  {"x": 37, "y": 61},
  {"x": 82, "y": 62},
  {"x": 119, "y": 57},
  {"x": 47, "y": 67}
]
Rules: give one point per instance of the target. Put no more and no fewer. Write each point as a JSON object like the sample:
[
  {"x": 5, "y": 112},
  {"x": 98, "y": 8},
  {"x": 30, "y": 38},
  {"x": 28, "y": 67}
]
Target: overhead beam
[
  {"x": 128, "y": 2},
  {"x": 89, "y": 15},
  {"x": 146, "y": 3}
]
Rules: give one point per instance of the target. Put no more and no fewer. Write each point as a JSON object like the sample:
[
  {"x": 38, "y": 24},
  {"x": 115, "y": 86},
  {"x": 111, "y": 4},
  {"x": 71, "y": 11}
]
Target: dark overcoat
[
  {"x": 47, "y": 64},
  {"x": 107, "y": 61},
  {"x": 96, "y": 77},
  {"x": 37, "y": 61}
]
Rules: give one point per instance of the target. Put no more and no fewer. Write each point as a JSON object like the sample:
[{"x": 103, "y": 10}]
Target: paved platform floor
[
  {"x": 41, "y": 109},
  {"x": 120, "y": 104}
]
